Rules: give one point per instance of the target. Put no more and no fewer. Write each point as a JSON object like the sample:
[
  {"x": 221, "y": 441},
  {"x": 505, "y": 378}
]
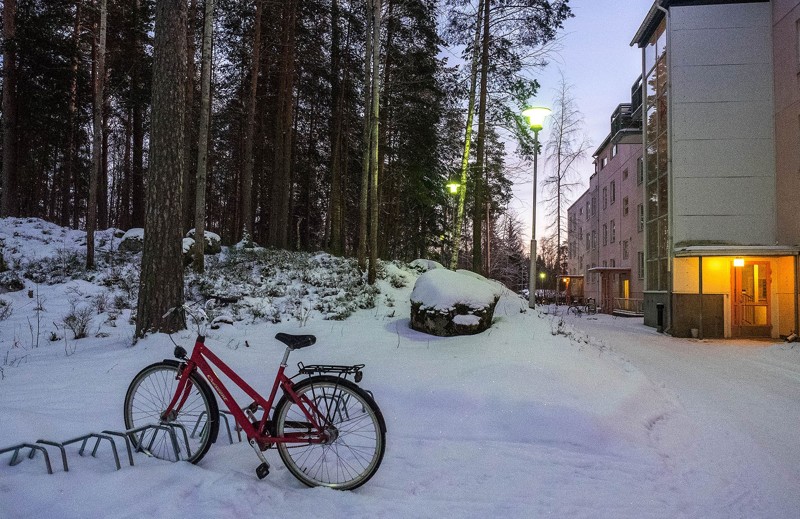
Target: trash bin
[{"x": 660, "y": 317}]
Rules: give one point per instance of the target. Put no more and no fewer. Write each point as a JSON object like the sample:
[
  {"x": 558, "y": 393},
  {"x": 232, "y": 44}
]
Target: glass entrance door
[{"x": 750, "y": 315}]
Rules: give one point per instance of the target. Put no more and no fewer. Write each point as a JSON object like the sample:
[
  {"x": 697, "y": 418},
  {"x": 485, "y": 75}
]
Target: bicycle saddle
[{"x": 295, "y": 342}]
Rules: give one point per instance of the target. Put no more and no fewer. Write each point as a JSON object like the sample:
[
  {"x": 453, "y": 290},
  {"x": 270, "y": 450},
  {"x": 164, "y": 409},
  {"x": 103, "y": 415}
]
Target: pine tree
[{"x": 161, "y": 284}]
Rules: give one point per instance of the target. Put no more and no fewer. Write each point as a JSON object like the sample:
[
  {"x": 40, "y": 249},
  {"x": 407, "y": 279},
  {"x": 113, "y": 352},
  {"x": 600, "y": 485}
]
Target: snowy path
[{"x": 740, "y": 410}]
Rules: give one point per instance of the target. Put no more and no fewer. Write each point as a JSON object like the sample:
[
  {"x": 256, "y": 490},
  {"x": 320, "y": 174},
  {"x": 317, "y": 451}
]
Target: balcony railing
[{"x": 628, "y": 306}]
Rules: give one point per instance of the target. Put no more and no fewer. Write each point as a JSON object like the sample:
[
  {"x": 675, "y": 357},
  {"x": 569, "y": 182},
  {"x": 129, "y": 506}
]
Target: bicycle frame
[{"x": 203, "y": 358}]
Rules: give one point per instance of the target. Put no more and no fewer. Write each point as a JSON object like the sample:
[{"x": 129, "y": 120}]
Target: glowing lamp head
[
  {"x": 542, "y": 275},
  {"x": 738, "y": 262},
  {"x": 453, "y": 187},
  {"x": 536, "y": 116}
]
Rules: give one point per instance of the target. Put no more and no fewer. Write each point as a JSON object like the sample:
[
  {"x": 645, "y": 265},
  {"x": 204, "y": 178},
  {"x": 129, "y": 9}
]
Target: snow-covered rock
[
  {"x": 447, "y": 303},
  {"x": 213, "y": 241},
  {"x": 424, "y": 265},
  {"x": 132, "y": 241}
]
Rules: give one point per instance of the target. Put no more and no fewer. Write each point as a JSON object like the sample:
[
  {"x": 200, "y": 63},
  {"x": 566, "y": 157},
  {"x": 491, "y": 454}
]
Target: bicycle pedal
[{"x": 262, "y": 471}]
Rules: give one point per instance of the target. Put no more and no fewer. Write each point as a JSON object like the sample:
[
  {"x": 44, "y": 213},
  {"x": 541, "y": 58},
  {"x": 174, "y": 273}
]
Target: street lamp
[
  {"x": 535, "y": 116},
  {"x": 453, "y": 186}
]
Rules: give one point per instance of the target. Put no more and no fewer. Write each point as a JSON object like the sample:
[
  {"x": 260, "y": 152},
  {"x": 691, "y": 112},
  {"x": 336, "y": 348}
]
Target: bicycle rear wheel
[
  {"x": 355, "y": 428},
  {"x": 189, "y": 433}
]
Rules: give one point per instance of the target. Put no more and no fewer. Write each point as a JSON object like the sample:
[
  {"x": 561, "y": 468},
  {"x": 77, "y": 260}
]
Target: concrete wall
[
  {"x": 721, "y": 103},
  {"x": 786, "y": 57}
]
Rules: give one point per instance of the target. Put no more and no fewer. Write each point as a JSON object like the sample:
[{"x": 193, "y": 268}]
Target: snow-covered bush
[
  {"x": 6, "y": 309},
  {"x": 78, "y": 321}
]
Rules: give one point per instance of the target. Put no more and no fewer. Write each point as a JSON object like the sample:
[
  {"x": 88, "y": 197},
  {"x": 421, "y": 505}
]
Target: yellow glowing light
[
  {"x": 536, "y": 116},
  {"x": 542, "y": 275},
  {"x": 738, "y": 262},
  {"x": 453, "y": 187}
]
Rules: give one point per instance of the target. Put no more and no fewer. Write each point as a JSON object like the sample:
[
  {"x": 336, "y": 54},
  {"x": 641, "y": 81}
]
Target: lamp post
[
  {"x": 535, "y": 116},
  {"x": 452, "y": 187}
]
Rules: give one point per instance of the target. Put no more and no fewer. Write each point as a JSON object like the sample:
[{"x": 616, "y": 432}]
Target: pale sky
[{"x": 597, "y": 59}]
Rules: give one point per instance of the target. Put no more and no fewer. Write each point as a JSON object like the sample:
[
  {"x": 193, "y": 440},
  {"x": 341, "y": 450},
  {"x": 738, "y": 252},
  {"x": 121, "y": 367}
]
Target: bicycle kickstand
[{"x": 263, "y": 469}]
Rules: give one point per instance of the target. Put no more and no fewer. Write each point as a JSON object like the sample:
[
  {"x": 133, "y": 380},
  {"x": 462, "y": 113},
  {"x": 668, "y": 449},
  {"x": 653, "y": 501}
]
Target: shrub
[{"x": 78, "y": 321}]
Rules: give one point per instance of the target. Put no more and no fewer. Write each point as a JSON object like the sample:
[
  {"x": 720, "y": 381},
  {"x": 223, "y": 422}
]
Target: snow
[
  {"x": 442, "y": 289},
  {"x": 542, "y": 415}
]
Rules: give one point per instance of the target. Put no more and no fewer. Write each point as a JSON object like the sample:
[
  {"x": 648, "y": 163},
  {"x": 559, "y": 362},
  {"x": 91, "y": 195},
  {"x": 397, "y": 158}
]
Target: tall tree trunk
[
  {"x": 480, "y": 163},
  {"x": 189, "y": 170},
  {"x": 8, "y": 200},
  {"x": 363, "y": 205},
  {"x": 102, "y": 182},
  {"x": 97, "y": 138},
  {"x": 137, "y": 166},
  {"x": 161, "y": 284},
  {"x": 68, "y": 180},
  {"x": 336, "y": 242},
  {"x": 249, "y": 159},
  {"x": 373, "y": 189},
  {"x": 281, "y": 192},
  {"x": 462, "y": 192},
  {"x": 202, "y": 139}
]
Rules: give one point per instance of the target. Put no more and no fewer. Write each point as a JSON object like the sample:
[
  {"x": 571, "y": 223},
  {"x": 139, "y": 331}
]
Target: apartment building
[
  {"x": 604, "y": 230},
  {"x": 721, "y": 164}
]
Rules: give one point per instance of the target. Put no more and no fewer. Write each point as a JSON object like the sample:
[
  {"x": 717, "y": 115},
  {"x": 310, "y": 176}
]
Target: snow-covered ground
[{"x": 540, "y": 415}]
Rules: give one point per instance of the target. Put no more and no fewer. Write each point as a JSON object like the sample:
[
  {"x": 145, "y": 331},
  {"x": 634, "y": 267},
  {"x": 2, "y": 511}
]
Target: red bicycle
[{"x": 327, "y": 430}]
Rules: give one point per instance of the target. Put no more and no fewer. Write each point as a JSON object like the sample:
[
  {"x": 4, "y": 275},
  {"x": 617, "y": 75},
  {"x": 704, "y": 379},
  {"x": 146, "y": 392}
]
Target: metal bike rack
[
  {"x": 224, "y": 415},
  {"x": 129, "y": 436}
]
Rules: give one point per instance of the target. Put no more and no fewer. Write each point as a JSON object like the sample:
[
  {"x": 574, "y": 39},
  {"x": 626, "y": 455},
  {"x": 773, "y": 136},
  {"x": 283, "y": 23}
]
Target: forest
[{"x": 298, "y": 124}]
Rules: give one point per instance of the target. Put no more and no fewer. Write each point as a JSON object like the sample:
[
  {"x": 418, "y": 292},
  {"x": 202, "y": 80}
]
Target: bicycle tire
[
  {"x": 195, "y": 426},
  {"x": 358, "y": 434}
]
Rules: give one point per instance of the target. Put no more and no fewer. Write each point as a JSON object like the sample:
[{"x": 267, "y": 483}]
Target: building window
[
  {"x": 587, "y": 209},
  {"x": 588, "y": 241},
  {"x": 625, "y": 206},
  {"x": 613, "y": 195},
  {"x": 613, "y": 231},
  {"x": 612, "y": 263},
  {"x": 641, "y": 265},
  {"x": 605, "y": 264},
  {"x": 624, "y": 249},
  {"x": 624, "y": 174},
  {"x": 603, "y": 162},
  {"x": 594, "y": 205},
  {"x": 640, "y": 212},
  {"x": 639, "y": 171},
  {"x": 605, "y": 197},
  {"x": 613, "y": 151},
  {"x": 605, "y": 234},
  {"x": 594, "y": 239}
]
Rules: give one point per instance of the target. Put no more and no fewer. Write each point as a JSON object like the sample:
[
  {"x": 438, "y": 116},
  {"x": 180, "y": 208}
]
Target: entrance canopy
[{"x": 742, "y": 250}]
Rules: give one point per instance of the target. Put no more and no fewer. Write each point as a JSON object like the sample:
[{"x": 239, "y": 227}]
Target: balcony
[{"x": 623, "y": 120}]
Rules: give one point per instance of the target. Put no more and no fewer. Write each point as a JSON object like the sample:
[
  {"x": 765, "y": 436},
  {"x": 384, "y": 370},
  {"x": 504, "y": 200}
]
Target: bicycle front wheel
[
  {"x": 187, "y": 434},
  {"x": 355, "y": 434}
]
